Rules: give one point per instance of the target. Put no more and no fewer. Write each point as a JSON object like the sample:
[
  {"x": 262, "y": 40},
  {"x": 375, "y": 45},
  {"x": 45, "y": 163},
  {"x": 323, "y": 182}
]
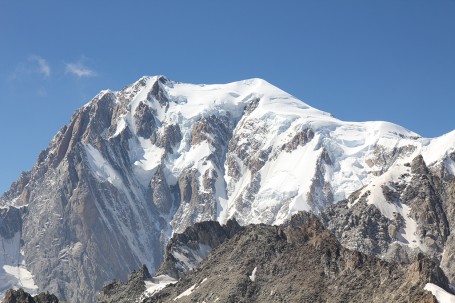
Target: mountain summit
[{"x": 135, "y": 166}]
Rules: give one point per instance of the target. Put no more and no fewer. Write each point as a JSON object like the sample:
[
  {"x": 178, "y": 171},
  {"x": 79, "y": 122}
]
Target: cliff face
[{"x": 135, "y": 166}]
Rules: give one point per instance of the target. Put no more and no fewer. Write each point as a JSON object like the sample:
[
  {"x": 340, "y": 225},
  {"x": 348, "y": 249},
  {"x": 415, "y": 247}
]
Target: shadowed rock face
[{"x": 10, "y": 221}]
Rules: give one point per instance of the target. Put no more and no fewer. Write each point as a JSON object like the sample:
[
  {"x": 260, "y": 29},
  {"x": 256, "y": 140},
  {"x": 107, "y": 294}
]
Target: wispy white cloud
[
  {"x": 32, "y": 66},
  {"x": 43, "y": 66},
  {"x": 80, "y": 70}
]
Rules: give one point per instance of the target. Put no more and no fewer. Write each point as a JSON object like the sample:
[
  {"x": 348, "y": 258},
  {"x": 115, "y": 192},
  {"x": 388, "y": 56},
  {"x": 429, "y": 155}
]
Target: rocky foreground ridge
[
  {"x": 135, "y": 166},
  {"x": 300, "y": 261}
]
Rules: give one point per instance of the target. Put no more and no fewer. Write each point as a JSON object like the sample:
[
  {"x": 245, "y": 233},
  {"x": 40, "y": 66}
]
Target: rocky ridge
[{"x": 272, "y": 264}]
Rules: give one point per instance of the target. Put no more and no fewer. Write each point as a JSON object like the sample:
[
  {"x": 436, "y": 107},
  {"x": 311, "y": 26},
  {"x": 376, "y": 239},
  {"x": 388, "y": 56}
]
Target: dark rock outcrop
[
  {"x": 20, "y": 296},
  {"x": 46, "y": 297},
  {"x": 125, "y": 292},
  {"x": 145, "y": 122},
  {"x": 170, "y": 137},
  {"x": 300, "y": 139}
]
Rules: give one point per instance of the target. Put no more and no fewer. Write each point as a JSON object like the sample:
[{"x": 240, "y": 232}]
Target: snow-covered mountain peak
[
  {"x": 136, "y": 165},
  {"x": 250, "y": 132}
]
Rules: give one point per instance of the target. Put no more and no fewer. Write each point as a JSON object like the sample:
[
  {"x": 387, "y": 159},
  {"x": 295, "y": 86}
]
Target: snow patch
[
  {"x": 438, "y": 148},
  {"x": 146, "y": 157},
  {"x": 156, "y": 284},
  {"x": 101, "y": 168},
  {"x": 121, "y": 125},
  {"x": 23, "y": 276},
  {"x": 253, "y": 275},
  {"x": 13, "y": 271},
  {"x": 441, "y": 295},
  {"x": 189, "y": 290}
]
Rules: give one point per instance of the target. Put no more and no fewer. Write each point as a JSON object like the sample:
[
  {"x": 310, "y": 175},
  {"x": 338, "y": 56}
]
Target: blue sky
[{"x": 360, "y": 60}]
